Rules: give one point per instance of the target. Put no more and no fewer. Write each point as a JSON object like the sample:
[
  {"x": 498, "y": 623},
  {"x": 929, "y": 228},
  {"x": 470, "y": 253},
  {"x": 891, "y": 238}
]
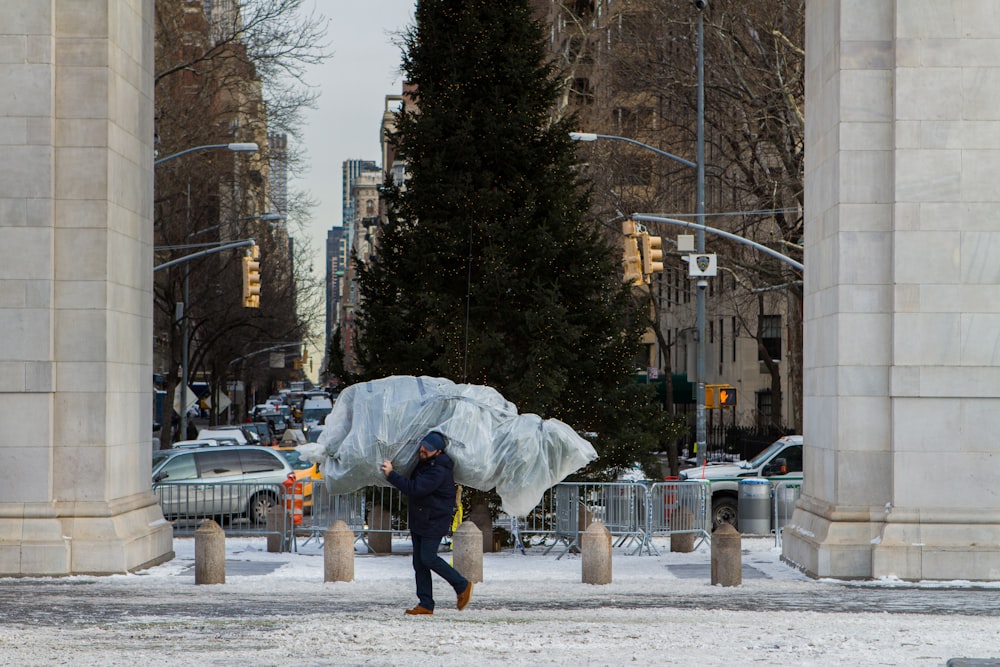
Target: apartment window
[
  {"x": 722, "y": 345},
  {"x": 581, "y": 91},
  {"x": 763, "y": 407},
  {"x": 770, "y": 331},
  {"x": 735, "y": 333}
]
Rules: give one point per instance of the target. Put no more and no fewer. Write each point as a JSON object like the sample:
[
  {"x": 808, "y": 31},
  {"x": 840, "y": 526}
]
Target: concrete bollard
[
  {"x": 480, "y": 515},
  {"x": 209, "y": 553},
  {"x": 727, "y": 558},
  {"x": 595, "y": 547},
  {"x": 468, "y": 550},
  {"x": 275, "y": 523},
  {"x": 338, "y": 553},
  {"x": 683, "y": 543},
  {"x": 380, "y": 519}
]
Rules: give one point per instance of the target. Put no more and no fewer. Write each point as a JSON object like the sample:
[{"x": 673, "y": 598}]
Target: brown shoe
[
  {"x": 464, "y": 597},
  {"x": 418, "y": 611}
]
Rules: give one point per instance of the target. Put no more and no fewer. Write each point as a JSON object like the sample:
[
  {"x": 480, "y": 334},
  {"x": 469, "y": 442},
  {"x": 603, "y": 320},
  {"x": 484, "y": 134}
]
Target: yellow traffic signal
[
  {"x": 652, "y": 254},
  {"x": 251, "y": 279},
  {"x": 631, "y": 261}
]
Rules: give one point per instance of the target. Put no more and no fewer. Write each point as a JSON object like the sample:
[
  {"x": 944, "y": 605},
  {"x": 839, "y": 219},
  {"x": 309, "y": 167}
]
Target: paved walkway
[{"x": 274, "y": 609}]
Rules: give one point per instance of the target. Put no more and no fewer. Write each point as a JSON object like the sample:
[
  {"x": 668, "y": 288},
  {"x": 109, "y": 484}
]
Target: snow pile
[{"x": 491, "y": 444}]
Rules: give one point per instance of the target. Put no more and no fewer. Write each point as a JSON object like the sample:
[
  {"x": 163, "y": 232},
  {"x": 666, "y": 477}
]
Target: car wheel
[
  {"x": 259, "y": 506},
  {"x": 724, "y": 510}
]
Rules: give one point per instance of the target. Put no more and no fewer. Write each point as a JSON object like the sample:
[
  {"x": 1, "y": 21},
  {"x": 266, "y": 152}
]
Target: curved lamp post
[
  {"x": 701, "y": 436},
  {"x": 248, "y": 147}
]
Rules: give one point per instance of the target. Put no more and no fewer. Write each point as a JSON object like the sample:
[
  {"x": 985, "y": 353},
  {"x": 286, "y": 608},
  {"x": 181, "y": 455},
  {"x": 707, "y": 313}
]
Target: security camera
[{"x": 700, "y": 4}]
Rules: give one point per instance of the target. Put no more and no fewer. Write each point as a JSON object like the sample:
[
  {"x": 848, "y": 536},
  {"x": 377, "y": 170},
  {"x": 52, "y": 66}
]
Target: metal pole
[
  {"x": 184, "y": 361},
  {"x": 701, "y": 435},
  {"x": 182, "y": 434},
  {"x": 641, "y": 217}
]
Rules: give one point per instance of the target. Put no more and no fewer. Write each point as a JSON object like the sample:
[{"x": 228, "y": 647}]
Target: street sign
[{"x": 702, "y": 266}]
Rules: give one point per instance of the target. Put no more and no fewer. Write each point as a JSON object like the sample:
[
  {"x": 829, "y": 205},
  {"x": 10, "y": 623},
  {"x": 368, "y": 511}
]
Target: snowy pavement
[{"x": 275, "y": 609}]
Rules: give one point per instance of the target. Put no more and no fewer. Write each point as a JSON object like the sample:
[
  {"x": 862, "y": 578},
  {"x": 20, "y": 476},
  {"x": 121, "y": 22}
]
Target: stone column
[
  {"x": 902, "y": 301},
  {"x": 76, "y": 275}
]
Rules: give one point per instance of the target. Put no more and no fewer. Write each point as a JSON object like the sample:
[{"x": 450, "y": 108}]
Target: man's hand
[{"x": 386, "y": 468}]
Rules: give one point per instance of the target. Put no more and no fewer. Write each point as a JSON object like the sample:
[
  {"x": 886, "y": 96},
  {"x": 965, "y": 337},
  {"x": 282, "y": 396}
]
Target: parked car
[
  {"x": 198, "y": 444},
  {"x": 225, "y": 433},
  {"x": 781, "y": 460},
  {"x": 221, "y": 481}
]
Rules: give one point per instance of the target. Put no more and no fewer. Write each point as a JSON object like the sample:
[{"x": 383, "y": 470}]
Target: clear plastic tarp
[{"x": 491, "y": 444}]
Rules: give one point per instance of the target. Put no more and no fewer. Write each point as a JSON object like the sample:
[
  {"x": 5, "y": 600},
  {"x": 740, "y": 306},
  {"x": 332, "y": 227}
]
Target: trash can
[
  {"x": 754, "y": 506},
  {"x": 785, "y": 496}
]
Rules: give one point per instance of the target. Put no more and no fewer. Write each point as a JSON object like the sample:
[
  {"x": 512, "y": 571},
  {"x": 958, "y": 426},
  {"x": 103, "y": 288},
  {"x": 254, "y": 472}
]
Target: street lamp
[
  {"x": 268, "y": 217},
  {"x": 590, "y": 136},
  {"x": 248, "y": 147},
  {"x": 699, "y": 166}
]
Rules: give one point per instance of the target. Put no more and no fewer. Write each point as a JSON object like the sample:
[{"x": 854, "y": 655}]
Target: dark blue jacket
[{"x": 431, "y": 491}]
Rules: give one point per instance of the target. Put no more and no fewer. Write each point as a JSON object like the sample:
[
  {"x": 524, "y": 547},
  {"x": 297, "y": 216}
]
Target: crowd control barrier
[
  {"x": 240, "y": 508},
  {"x": 680, "y": 507},
  {"x": 633, "y": 512},
  {"x": 786, "y": 495},
  {"x": 328, "y": 508}
]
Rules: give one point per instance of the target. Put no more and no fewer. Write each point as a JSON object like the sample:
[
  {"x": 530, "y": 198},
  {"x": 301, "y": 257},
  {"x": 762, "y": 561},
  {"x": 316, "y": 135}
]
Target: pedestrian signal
[{"x": 727, "y": 396}]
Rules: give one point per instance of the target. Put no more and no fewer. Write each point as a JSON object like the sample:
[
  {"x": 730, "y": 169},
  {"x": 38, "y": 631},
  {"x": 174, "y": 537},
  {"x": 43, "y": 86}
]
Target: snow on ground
[{"x": 529, "y": 610}]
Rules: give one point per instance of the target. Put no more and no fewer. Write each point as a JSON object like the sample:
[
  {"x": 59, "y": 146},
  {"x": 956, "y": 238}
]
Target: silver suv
[{"x": 222, "y": 482}]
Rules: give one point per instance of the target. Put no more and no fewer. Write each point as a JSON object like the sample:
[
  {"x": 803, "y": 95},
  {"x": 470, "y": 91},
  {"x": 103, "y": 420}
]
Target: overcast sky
[{"x": 353, "y": 85}]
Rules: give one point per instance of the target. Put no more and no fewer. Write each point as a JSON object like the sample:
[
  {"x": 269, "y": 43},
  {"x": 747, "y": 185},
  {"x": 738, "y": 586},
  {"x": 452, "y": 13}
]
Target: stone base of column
[
  {"x": 822, "y": 547},
  {"x": 100, "y": 539},
  {"x": 939, "y": 545},
  {"x": 911, "y": 545}
]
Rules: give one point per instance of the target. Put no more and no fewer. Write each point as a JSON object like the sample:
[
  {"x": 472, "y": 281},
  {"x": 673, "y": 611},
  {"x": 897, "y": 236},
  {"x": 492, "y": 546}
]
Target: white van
[{"x": 314, "y": 412}]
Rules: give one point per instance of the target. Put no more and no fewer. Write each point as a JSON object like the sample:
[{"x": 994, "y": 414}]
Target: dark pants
[{"x": 426, "y": 560}]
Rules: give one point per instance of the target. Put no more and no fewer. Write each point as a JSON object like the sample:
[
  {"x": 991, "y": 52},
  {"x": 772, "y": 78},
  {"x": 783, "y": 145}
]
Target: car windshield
[
  {"x": 294, "y": 460},
  {"x": 159, "y": 455},
  {"x": 764, "y": 455}
]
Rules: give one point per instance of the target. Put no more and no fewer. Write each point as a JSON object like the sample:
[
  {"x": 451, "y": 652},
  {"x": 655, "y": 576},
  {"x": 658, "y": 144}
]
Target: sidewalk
[{"x": 275, "y": 609}]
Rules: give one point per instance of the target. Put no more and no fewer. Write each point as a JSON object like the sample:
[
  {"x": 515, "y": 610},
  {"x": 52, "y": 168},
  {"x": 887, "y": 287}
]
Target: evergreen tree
[{"x": 485, "y": 270}]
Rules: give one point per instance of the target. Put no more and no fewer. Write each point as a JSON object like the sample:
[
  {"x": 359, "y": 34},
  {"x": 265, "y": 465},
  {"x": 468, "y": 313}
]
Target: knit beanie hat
[{"x": 433, "y": 441}]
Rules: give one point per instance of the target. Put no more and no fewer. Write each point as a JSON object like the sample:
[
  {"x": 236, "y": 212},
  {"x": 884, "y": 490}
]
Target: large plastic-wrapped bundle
[{"x": 491, "y": 444}]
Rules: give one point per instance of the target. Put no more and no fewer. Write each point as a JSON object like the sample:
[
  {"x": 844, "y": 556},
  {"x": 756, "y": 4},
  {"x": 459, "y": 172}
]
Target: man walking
[{"x": 431, "y": 492}]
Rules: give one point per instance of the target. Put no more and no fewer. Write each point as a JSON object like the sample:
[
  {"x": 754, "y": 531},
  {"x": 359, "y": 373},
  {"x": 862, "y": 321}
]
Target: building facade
[{"x": 610, "y": 56}]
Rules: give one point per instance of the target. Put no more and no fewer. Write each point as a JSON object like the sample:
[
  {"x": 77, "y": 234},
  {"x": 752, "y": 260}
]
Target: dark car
[{"x": 275, "y": 421}]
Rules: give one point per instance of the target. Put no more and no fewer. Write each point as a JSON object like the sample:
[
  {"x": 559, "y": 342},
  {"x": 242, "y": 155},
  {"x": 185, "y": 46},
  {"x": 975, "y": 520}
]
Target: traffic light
[
  {"x": 631, "y": 261},
  {"x": 251, "y": 278},
  {"x": 652, "y": 254},
  {"x": 727, "y": 396}
]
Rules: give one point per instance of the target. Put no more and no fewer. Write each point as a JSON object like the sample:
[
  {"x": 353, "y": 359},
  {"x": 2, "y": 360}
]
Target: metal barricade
[
  {"x": 620, "y": 506},
  {"x": 328, "y": 508},
  {"x": 785, "y": 496},
  {"x": 623, "y": 511},
  {"x": 680, "y": 507},
  {"x": 240, "y": 508},
  {"x": 567, "y": 518}
]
